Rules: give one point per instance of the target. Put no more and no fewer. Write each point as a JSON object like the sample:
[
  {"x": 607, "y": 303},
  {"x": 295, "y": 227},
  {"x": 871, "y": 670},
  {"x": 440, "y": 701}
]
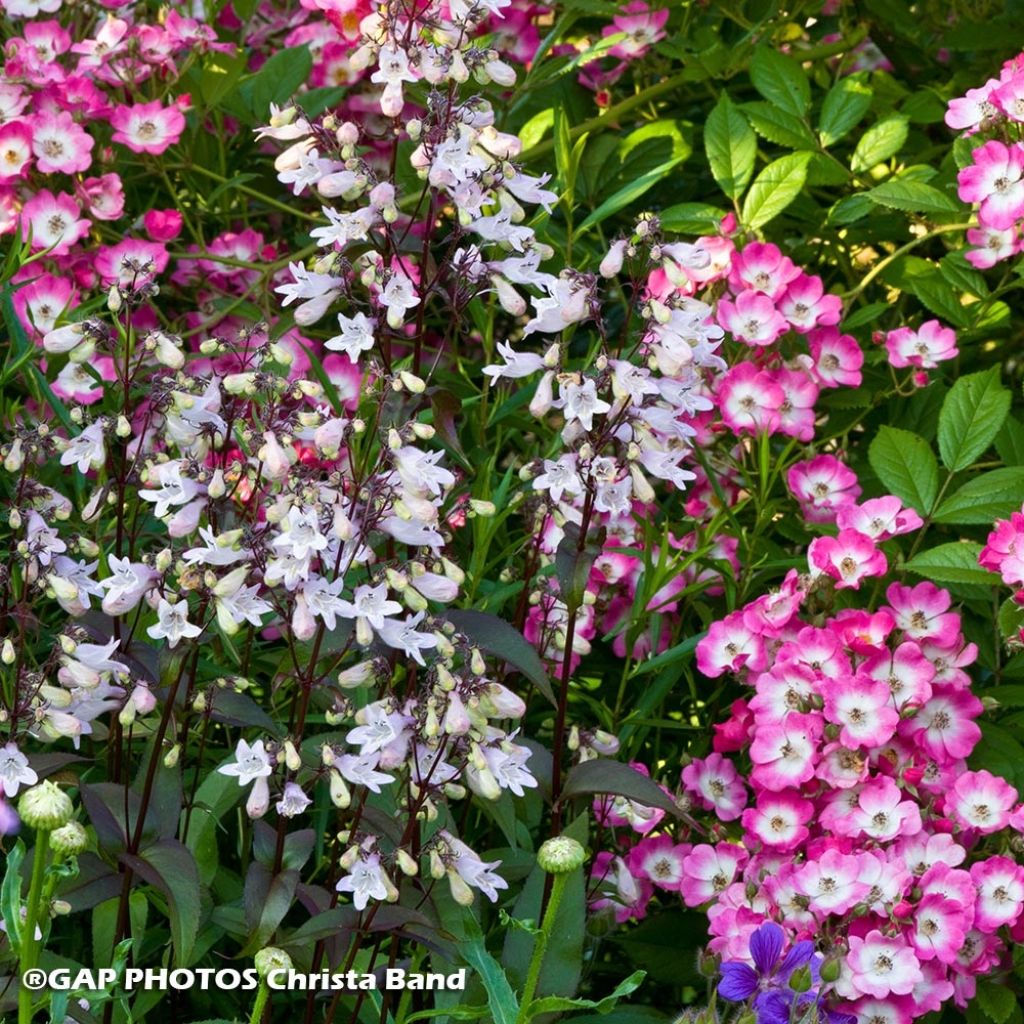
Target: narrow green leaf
[
  {"x": 502, "y": 1000},
  {"x": 498, "y": 637},
  {"x": 602, "y": 775},
  {"x": 628, "y": 193}
]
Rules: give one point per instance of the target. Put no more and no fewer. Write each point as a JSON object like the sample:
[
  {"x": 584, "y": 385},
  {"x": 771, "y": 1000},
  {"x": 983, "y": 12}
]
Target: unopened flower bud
[
  {"x": 270, "y": 959},
  {"x": 560, "y": 855},
  {"x": 45, "y": 807},
  {"x": 406, "y": 864},
  {"x": 461, "y": 892},
  {"x": 69, "y": 840}
]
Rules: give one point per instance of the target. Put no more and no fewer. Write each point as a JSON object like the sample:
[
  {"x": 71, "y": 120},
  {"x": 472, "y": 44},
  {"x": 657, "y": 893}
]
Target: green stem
[
  {"x": 896, "y": 254},
  {"x": 29, "y": 945},
  {"x": 260, "y": 1003},
  {"x": 537, "y": 960}
]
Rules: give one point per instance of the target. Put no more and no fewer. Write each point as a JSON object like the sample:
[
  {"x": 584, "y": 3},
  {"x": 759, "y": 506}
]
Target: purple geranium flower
[{"x": 767, "y": 981}]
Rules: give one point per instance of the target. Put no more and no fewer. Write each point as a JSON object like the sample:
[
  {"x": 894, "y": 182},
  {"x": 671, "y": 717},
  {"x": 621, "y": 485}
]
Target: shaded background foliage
[{"x": 741, "y": 110}]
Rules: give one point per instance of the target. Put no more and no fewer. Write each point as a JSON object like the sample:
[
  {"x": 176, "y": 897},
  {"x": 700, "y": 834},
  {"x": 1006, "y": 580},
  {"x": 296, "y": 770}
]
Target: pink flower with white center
[
  {"x": 784, "y": 753},
  {"x": 752, "y": 318},
  {"x": 969, "y": 111},
  {"x": 147, "y": 127},
  {"x": 863, "y": 632},
  {"x": 934, "y": 991},
  {"x": 938, "y": 929},
  {"x": 796, "y": 413},
  {"x": 886, "y": 880},
  {"x": 772, "y": 611},
  {"x": 103, "y": 196},
  {"x": 831, "y": 882},
  {"x": 982, "y": 801},
  {"x": 779, "y": 820},
  {"x": 979, "y": 953},
  {"x": 1000, "y": 885},
  {"x": 893, "y": 1010},
  {"x": 60, "y": 144},
  {"x": 39, "y": 303},
  {"x": 1009, "y": 98},
  {"x": 906, "y": 672},
  {"x": 787, "y": 686},
  {"x": 818, "y": 649},
  {"x": 992, "y": 246},
  {"x": 848, "y": 558},
  {"x": 840, "y": 767},
  {"x": 54, "y": 222},
  {"x": 879, "y": 966},
  {"x": 749, "y": 399},
  {"x": 716, "y": 786},
  {"x": 879, "y": 518},
  {"x": 708, "y": 870},
  {"x": 950, "y": 883},
  {"x": 660, "y": 860},
  {"x": 761, "y": 267},
  {"x": 1004, "y": 550},
  {"x": 618, "y": 888},
  {"x": 923, "y": 851},
  {"x": 945, "y": 727},
  {"x": 15, "y": 150},
  {"x": 642, "y": 26},
  {"x": 994, "y": 181},
  {"x": 883, "y": 814},
  {"x": 837, "y": 358},
  {"x": 822, "y": 485},
  {"x": 922, "y": 612},
  {"x": 131, "y": 263},
  {"x": 926, "y": 347},
  {"x": 806, "y": 306},
  {"x": 863, "y": 709},
  {"x": 729, "y": 646}
]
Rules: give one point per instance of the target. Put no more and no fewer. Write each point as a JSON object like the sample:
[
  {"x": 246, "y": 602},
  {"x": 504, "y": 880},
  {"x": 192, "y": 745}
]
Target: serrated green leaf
[
  {"x": 780, "y": 80},
  {"x": 843, "y": 107},
  {"x": 987, "y": 497},
  {"x": 731, "y": 147},
  {"x": 912, "y": 196},
  {"x": 906, "y": 465},
  {"x": 501, "y": 999},
  {"x": 691, "y": 218},
  {"x": 881, "y": 141},
  {"x": 996, "y": 1000},
  {"x": 774, "y": 189},
  {"x": 972, "y": 415},
  {"x": 559, "y": 1004},
  {"x": 956, "y": 562},
  {"x": 779, "y": 126}
]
